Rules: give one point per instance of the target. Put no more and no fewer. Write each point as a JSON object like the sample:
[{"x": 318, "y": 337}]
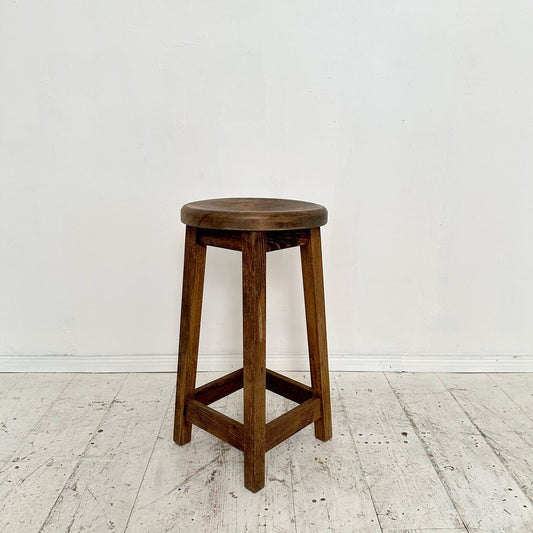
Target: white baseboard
[{"x": 227, "y": 362}]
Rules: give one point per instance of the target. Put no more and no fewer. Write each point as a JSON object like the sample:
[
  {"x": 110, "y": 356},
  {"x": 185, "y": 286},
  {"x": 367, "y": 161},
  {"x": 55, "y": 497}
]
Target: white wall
[{"x": 411, "y": 121}]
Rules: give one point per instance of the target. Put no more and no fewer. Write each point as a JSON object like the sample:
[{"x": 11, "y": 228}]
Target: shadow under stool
[{"x": 254, "y": 227}]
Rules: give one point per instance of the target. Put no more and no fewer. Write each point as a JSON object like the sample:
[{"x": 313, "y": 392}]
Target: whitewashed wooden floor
[{"x": 411, "y": 453}]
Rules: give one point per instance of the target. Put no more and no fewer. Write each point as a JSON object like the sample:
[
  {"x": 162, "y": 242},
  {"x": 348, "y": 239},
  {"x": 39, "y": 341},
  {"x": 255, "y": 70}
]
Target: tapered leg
[
  {"x": 315, "y": 312},
  {"x": 254, "y": 357},
  {"x": 191, "y": 309}
]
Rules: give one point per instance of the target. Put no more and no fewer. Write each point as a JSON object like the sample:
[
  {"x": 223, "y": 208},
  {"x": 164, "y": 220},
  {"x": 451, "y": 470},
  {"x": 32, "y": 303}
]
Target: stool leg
[
  {"x": 254, "y": 357},
  {"x": 315, "y": 312},
  {"x": 191, "y": 309}
]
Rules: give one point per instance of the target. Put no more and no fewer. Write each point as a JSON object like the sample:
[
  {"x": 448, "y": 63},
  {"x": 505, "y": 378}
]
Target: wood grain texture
[
  {"x": 406, "y": 490},
  {"x": 8, "y": 381},
  {"x": 199, "y": 487},
  {"x": 280, "y": 240},
  {"x": 18, "y": 417},
  {"x": 100, "y": 492},
  {"x": 315, "y": 312},
  {"x": 425, "y": 530},
  {"x": 183, "y": 486},
  {"x": 253, "y": 226},
  {"x": 218, "y": 388},
  {"x": 484, "y": 493},
  {"x": 330, "y": 490},
  {"x": 519, "y": 388},
  {"x": 253, "y": 214},
  {"x": 291, "y": 422},
  {"x": 218, "y": 424},
  {"x": 230, "y": 240},
  {"x": 254, "y": 357},
  {"x": 287, "y": 387},
  {"x": 506, "y": 428},
  {"x": 32, "y": 481},
  {"x": 270, "y": 509},
  {"x": 135, "y": 478},
  {"x": 191, "y": 311}
]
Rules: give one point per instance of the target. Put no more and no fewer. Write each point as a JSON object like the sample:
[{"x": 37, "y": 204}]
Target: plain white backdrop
[{"x": 411, "y": 121}]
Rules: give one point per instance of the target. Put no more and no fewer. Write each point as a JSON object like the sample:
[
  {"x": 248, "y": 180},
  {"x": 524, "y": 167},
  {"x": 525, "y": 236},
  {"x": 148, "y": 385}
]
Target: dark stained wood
[
  {"x": 231, "y": 240},
  {"x": 253, "y": 214},
  {"x": 315, "y": 312},
  {"x": 219, "y": 388},
  {"x": 287, "y": 387},
  {"x": 279, "y": 240},
  {"x": 191, "y": 310},
  {"x": 253, "y": 226},
  {"x": 254, "y": 357},
  {"x": 218, "y": 424},
  {"x": 291, "y": 422}
]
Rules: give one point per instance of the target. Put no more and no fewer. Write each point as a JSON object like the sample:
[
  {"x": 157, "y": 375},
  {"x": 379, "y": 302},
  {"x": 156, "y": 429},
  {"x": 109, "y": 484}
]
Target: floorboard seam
[
  {"x": 428, "y": 454},
  {"x": 149, "y": 458},
  {"x": 22, "y": 376},
  {"x": 38, "y": 421},
  {"x": 528, "y": 414},
  {"x": 488, "y": 440},
  {"x": 343, "y": 405},
  {"x": 76, "y": 466}
]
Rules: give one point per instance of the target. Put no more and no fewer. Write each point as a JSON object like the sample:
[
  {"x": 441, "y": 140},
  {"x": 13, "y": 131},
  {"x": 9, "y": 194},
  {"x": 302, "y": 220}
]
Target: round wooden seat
[{"x": 253, "y": 214}]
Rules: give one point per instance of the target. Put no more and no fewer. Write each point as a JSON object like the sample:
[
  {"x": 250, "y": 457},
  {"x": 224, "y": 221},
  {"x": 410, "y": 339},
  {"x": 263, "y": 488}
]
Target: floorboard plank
[
  {"x": 407, "y": 491},
  {"x": 8, "y": 381},
  {"x": 199, "y": 486},
  {"x": 181, "y": 489},
  {"x": 438, "y": 530},
  {"x": 273, "y": 507},
  {"x": 503, "y": 424},
  {"x": 100, "y": 492},
  {"x": 331, "y": 492},
  {"x": 31, "y": 481},
  {"x": 483, "y": 491},
  {"x": 519, "y": 388},
  {"x": 94, "y": 452},
  {"x": 23, "y": 406}
]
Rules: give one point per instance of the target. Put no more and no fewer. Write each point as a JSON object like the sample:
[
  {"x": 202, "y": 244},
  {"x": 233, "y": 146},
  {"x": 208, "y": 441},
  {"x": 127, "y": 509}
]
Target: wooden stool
[{"x": 253, "y": 226}]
